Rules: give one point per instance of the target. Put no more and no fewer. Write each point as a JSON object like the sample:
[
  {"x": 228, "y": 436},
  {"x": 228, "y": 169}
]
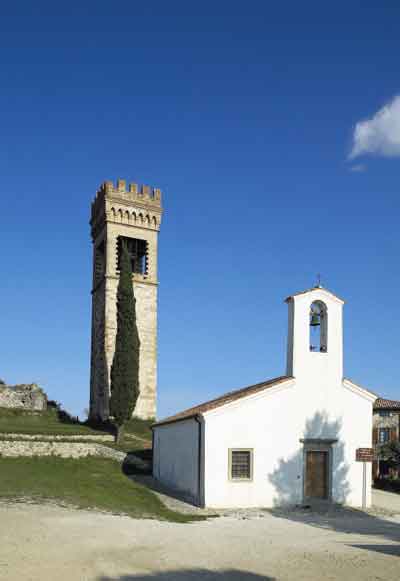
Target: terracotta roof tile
[
  {"x": 222, "y": 400},
  {"x": 382, "y": 404}
]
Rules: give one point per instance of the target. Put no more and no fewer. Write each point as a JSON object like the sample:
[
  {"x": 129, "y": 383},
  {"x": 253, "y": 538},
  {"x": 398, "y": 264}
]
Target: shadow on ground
[
  {"x": 344, "y": 520},
  {"x": 145, "y": 456},
  {"x": 193, "y": 575},
  {"x": 393, "y": 550},
  {"x": 155, "y": 486},
  {"x": 143, "y": 475},
  {"x": 337, "y": 518}
]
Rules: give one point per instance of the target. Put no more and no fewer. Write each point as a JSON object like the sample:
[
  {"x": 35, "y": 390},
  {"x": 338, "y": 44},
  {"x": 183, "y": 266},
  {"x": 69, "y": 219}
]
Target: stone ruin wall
[{"x": 26, "y": 396}]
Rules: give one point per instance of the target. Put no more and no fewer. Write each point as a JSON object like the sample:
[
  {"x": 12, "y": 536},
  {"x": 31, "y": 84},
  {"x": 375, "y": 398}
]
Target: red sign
[{"x": 364, "y": 454}]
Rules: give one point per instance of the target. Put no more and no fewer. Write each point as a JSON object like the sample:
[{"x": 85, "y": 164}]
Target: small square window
[{"x": 240, "y": 464}]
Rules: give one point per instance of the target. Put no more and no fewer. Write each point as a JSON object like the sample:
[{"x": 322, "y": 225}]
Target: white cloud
[
  {"x": 360, "y": 167},
  {"x": 379, "y": 135}
]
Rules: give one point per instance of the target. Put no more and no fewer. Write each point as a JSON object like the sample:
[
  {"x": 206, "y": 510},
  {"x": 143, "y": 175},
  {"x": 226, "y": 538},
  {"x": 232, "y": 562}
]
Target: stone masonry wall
[
  {"x": 53, "y": 437},
  {"x": 99, "y": 374},
  {"x": 61, "y": 449},
  {"x": 73, "y": 450},
  {"x": 104, "y": 330},
  {"x": 28, "y": 397},
  {"x": 146, "y": 318}
]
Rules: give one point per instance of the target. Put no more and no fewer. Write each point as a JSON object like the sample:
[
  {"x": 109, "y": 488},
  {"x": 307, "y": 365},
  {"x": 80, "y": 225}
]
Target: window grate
[
  {"x": 241, "y": 464},
  {"x": 138, "y": 254}
]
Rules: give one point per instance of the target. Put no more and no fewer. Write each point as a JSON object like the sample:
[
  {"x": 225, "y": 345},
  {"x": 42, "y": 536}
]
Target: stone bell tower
[{"x": 132, "y": 214}]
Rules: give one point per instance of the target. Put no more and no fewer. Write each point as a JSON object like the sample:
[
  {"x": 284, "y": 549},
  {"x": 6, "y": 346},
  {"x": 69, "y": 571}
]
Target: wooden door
[{"x": 317, "y": 476}]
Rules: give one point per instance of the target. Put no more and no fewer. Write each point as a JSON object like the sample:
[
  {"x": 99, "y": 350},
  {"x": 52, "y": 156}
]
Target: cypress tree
[{"x": 125, "y": 366}]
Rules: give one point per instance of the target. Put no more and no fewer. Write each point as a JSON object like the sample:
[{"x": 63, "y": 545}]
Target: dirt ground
[
  {"x": 49, "y": 543},
  {"x": 386, "y": 500}
]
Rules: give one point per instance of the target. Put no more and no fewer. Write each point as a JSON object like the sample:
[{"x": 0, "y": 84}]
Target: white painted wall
[
  {"x": 272, "y": 423},
  {"x": 175, "y": 461}
]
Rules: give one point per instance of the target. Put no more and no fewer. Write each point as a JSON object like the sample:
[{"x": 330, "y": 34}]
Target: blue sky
[{"x": 245, "y": 115}]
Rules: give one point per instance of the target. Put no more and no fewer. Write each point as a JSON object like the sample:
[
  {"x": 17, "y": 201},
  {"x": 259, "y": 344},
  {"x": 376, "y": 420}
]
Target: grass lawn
[
  {"x": 95, "y": 483},
  {"x": 49, "y": 423},
  {"x": 139, "y": 427},
  {"x": 128, "y": 446}
]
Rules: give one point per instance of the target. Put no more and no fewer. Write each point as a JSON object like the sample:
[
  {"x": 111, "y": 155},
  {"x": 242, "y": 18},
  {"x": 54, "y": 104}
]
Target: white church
[{"x": 290, "y": 440}]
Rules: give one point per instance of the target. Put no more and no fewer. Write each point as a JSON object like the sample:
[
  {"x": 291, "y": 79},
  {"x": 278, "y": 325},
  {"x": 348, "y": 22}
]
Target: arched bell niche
[{"x": 318, "y": 327}]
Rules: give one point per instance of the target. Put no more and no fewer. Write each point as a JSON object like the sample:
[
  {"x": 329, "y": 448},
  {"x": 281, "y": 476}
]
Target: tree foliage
[
  {"x": 390, "y": 453},
  {"x": 125, "y": 366}
]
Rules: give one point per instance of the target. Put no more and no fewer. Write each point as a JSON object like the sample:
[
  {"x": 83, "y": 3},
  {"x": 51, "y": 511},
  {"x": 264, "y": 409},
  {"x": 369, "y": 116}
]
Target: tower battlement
[
  {"x": 132, "y": 192},
  {"x": 128, "y": 204}
]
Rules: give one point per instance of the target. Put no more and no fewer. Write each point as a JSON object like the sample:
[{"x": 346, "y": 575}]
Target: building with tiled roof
[
  {"x": 386, "y": 404},
  {"x": 288, "y": 440},
  {"x": 386, "y": 428}
]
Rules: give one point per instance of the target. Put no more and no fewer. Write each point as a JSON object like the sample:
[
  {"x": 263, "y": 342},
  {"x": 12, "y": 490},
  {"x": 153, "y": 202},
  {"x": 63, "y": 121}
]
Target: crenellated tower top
[
  {"x": 132, "y": 192},
  {"x": 126, "y": 203}
]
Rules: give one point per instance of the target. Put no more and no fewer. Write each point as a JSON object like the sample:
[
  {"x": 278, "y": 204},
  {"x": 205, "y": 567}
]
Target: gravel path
[
  {"x": 47, "y": 543},
  {"x": 386, "y": 500}
]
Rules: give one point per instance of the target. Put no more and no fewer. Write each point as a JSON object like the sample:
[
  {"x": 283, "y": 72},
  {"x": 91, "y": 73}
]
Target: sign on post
[{"x": 364, "y": 455}]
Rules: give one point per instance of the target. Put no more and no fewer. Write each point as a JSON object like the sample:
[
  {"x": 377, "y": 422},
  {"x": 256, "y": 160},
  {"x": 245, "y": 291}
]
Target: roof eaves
[
  {"x": 173, "y": 419},
  {"x": 269, "y": 389},
  {"x": 362, "y": 390},
  {"x": 222, "y": 400},
  {"x": 315, "y": 288}
]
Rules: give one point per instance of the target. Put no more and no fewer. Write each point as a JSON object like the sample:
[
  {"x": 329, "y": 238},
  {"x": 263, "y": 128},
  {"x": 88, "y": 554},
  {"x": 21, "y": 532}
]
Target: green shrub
[{"x": 125, "y": 366}]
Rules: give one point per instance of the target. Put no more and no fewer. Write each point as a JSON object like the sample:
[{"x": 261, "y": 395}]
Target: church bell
[{"x": 315, "y": 320}]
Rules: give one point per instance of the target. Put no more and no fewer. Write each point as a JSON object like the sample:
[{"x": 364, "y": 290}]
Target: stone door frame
[{"x": 318, "y": 445}]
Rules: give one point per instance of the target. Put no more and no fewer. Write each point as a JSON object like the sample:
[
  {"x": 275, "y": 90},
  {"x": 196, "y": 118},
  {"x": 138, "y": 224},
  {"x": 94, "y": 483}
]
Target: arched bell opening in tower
[{"x": 318, "y": 327}]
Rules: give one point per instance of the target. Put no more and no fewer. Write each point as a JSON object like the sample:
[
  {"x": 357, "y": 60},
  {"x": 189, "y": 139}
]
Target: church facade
[{"x": 289, "y": 440}]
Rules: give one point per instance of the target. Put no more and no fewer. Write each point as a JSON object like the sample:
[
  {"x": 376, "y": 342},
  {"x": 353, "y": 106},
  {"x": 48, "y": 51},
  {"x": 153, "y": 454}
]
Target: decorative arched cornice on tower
[{"x": 123, "y": 216}]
